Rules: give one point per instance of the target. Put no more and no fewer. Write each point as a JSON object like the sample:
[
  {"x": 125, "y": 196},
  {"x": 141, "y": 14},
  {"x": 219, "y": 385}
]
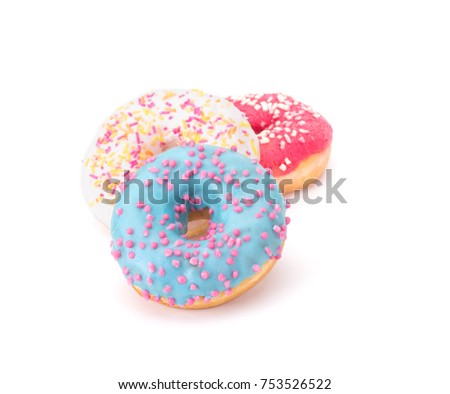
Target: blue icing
[{"x": 140, "y": 205}]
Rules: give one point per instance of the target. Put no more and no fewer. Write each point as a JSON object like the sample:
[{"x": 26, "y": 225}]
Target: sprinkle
[{"x": 204, "y": 275}]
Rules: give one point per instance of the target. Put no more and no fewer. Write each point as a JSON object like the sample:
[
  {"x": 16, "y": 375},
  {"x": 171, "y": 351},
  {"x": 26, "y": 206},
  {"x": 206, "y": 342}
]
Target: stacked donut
[{"x": 196, "y": 215}]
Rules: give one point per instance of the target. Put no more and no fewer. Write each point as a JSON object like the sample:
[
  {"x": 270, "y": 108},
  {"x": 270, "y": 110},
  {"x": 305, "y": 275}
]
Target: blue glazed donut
[{"x": 244, "y": 238}]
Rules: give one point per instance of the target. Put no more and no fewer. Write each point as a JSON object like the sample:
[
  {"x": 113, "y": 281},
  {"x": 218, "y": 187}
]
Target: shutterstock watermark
[{"x": 213, "y": 190}]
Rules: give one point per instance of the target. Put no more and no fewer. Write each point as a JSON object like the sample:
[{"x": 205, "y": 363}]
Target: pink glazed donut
[{"x": 295, "y": 141}]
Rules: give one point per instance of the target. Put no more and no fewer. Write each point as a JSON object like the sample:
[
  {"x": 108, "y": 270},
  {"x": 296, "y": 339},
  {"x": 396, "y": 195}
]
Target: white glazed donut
[{"x": 153, "y": 123}]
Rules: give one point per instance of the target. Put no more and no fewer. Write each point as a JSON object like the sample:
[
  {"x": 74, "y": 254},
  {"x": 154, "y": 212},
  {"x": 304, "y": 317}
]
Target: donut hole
[{"x": 198, "y": 224}]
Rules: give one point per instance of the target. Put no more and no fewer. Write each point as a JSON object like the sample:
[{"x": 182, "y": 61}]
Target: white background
[{"x": 361, "y": 295}]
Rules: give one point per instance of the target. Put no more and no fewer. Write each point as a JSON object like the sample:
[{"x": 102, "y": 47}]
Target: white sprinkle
[
  {"x": 279, "y": 136},
  {"x": 282, "y": 144},
  {"x": 264, "y": 140},
  {"x": 301, "y": 139},
  {"x": 257, "y": 107},
  {"x": 264, "y": 106},
  {"x": 277, "y": 123},
  {"x": 294, "y": 133},
  {"x": 287, "y": 161},
  {"x": 281, "y": 98},
  {"x": 316, "y": 115},
  {"x": 303, "y": 131},
  {"x": 272, "y": 135},
  {"x": 283, "y": 167},
  {"x": 288, "y": 139}
]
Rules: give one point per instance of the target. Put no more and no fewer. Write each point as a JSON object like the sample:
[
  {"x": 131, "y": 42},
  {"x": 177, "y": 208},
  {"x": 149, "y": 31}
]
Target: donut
[
  {"x": 295, "y": 141},
  {"x": 245, "y": 237},
  {"x": 150, "y": 124}
]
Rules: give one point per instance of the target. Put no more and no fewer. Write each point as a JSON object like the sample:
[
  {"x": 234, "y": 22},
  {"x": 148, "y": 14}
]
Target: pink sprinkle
[
  {"x": 130, "y": 231},
  {"x": 151, "y": 267},
  {"x": 150, "y": 281},
  {"x": 256, "y": 267},
  {"x": 145, "y": 294},
  {"x": 193, "y": 286},
  {"x": 234, "y": 252},
  {"x": 137, "y": 277},
  {"x": 224, "y": 207},
  {"x": 288, "y": 220},
  {"x": 214, "y": 293},
  {"x": 181, "y": 280},
  {"x": 171, "y": 301},
  {"x": 217, "y": 253},
  {"x": 190, "y": 301},
  {"x": 167, "y": 289},
  {"x": 140, "y": 204},
  {"x": 235, "y": 274},
  {"x": 176, "y": 263},
  {"x": 131, "y": 255},
  {"x": 142, "y": 245},
  {"x": 201, "y": 156},
  {"x": 125, "y": 270},
  {"x": 165, "y": 241},
  {"x": 246, "y": 172},
  {"x": 119, "y": 242},
  {"x": 154, "y": 170},
  {"x": 165, "y": 162},
  {"x": 204, "y": 275},
  {"x": 205, "y": 254},
  {"x": 148, "y": 225},
  {"x": 221, "y": 277},
  {"x": 272, "y": 215},
  {"x": 179, "y": 242},
  {"x": 264, "y": 235},
  {"x": 154, "y": 245},
  {"x": 161, "y": 272},
  {"x": 230, "y": 260},
  {"x": 236, "y": 232},
  {"x": 130, "y": 280},
  {"x": 191, "y": 153},
  {"x": 168, "y": 252},
  {"x": 188, "y": 163},
  {"x": 247, "y": 238},
  {"x": 129, "y": 244},
  {"x": 258, "y": 215},
  {"x": 238, "y": 209},
  {"x": 193, "y": 261},
  {"x": 145, "y": 233},
  {"x": 119, "y": 211},
  {"x": 172, "y": 163},
  {"x": 227, "y": 284}
]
